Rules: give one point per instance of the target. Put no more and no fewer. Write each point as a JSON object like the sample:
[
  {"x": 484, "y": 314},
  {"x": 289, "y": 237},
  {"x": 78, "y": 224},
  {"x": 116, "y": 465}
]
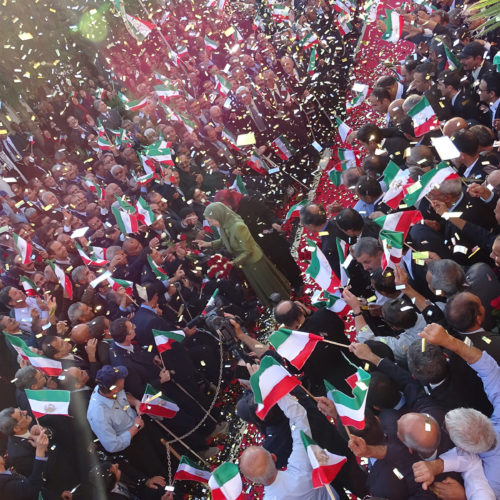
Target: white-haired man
[{"x": 477, "y": 438}]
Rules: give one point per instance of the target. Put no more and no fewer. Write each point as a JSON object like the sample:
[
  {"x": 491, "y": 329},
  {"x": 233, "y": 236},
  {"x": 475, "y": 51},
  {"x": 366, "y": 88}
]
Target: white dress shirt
[{"x": 296, "y": 481}]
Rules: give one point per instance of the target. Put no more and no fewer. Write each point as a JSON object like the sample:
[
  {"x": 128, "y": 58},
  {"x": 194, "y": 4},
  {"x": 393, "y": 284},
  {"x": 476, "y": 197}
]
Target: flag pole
[
  {"x": 181, "y": 441},
  {"x": 170, "y": 449},
  {"x": 336, "y": 343},
  {"x": 330, "y": 492},
  {"x": 308, "y": 392}
]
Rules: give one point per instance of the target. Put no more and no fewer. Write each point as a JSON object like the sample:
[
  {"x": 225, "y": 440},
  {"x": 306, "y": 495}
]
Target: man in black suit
[
  {"x": 489, "y": 92},
  {"x": 326, "y": 361},
  {"x": 349, "y": 226},
  {"x": 16, "y": 486},
  {"x": 146, "y": 367},
  {"x": 474, "y": 63},
  {"x": 464, "y": 103},
  {"x": 17, "y": 425},
  {"x": 254, "y": 116},
  {"x": 448, "y": 197},
  {"x": 469, "y": 163},
  {"x": 109, "y": 118},
  {"x": 465, "y": 313},
  {"x": 391, "y": 140}
]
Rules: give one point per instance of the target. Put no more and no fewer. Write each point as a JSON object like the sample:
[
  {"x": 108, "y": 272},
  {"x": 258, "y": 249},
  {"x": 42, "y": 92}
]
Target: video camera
[{"x": 222, "y": 329}]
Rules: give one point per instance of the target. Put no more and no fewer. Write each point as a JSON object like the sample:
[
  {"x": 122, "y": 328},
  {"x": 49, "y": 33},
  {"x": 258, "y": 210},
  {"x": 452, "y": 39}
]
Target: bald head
[
  {"x": 396, "y": 112},
  {"x": 454, "y": 125},
  {"x": 257, "y": 464},
  {"x": 419, "y": 432},
  {"x": 80, "y": 334},
  {"x": 494, "y": 178}
]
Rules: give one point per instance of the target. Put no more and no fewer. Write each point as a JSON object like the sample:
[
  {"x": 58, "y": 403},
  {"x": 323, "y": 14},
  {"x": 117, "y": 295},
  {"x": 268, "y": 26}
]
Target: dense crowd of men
[{"x": 102, "y": 212}]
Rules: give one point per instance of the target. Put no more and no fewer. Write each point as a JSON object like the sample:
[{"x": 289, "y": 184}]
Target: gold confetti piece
[
  {"x": 423, "y": 345},
  {"x": 486, "y": 339},
  {"x": 420, "y": 255},
  {"x": 25, "y": 36}
]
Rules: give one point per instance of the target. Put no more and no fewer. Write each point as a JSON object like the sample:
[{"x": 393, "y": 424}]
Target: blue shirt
[
  {"x": 110, "y": 420},
  {"x": 489, "y": 372}
]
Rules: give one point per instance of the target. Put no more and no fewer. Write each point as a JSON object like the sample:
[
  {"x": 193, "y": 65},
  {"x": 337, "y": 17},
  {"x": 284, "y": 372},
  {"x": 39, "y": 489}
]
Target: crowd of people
[{"x": 145, "y": 214}]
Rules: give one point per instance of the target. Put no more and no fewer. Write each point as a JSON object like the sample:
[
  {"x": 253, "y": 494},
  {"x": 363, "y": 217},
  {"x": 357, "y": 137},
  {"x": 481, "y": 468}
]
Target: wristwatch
[{"x": 357, "y": 314}]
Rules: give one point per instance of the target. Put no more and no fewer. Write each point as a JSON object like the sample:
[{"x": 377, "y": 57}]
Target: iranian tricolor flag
[
  {"x": 98, "y": 252},
  {"x": 230, "y": 138},
  {"x": 103, "y": 142},
  {"x": 345, "y": 27},
  {"x": 257, "y": 23},
  {"x": 157, "y": 270},
  {"x": 424, "y": 118},
  {"x": 51, "y": 367},
  {"x": 429, "y": 181},
  {"x": 166, "y": 92},
  {"x": 332, "y": 301},
  {"x": 223, "y": 85},
  {"x": 349, "y": 157},
  {"x": 29, "y": 286},
  {"x": 145, "y": 179},
  {"x": 282, "y": 147},
  {"x": 161, "y": 152},
  {"x": 153, "y": 402},
  {"x": 351, "y": 409},
  {"x": 64, "y": 281},
  {"x": 239, "y": 185},
  {"x": 24, "y": 249},
  {"x": 335, "y": 173},
  {"x": 48, "y": 402},
  {"x": 308, "y": 41},
  {"x": 257, "y": 163},
  {"x": 135, "y": 105},
  {"x": 164, "y": 339},
  {"x": 344, "y": 260},
  {"x": 452, "y": 61},
  {"x": 399, "y": 221},
  {"x": 191, "y": 471},
  {"x": 392, "y": 242},
  {"x": 269, "y": 384},
  {"x": 320, "y": 270},
  {"x": 393, "y": 26},
  {"x": 225, "y": 483},
  {"x": 219, "y": 4},
  {"x": 144, "y": 213},
  {"x": 95, "y": 188},
  {"x": 361, "y": 96},
  {"x": 340, "y": 6},
  {"x": 397, "y": 182},
  {"x": 90, "y": 261},
  {"x": 294, "y": 210},
  {"x": 311, "y": 67},
  {"x": 280, "y": 13},
  {"x": 210, "y": 44},
  {"x": 127, "y": 222},
  {"x": 294, "y": 346},
  {"x": 343, "y": 129},
  {"x": 117, "y": 283},
  {"x": 182, "y": 51},
  {"x": 141, "y": 28},
  {"x": 211, "y": 302},
  {"x": 325, "y": 465}
]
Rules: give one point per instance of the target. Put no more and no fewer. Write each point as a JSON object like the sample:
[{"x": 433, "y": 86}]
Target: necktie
[{"x": 254, "y": 113}]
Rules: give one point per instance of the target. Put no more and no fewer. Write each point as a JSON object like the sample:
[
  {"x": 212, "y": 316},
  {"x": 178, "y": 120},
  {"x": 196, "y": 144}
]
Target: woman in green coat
[{"x": 260, "y": 273}]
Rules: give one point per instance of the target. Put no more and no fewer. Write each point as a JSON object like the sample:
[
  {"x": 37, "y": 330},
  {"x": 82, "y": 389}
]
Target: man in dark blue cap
[{"x": 114, "y": 418}]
